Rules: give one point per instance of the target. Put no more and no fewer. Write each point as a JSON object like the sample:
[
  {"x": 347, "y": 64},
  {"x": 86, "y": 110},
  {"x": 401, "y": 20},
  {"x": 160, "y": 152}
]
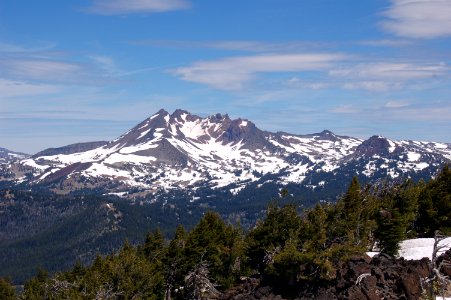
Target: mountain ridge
[{"x": 185, "y": 151}]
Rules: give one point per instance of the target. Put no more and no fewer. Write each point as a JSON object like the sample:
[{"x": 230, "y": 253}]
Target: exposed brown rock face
[{"x": 361, "y": 278}]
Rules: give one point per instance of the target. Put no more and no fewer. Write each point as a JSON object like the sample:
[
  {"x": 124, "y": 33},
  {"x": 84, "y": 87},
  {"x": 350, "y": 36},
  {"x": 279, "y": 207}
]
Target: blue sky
[{"x": 73, "y": 71}]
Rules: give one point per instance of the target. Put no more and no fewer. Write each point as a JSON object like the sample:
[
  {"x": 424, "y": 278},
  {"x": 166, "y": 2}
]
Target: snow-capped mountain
[
  {"x": 184, "y": 151},
  {"x": 8, "y": 156}
]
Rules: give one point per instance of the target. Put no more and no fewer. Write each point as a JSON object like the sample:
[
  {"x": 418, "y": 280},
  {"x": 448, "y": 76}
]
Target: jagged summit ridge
[{"x": 185, "y": 151}]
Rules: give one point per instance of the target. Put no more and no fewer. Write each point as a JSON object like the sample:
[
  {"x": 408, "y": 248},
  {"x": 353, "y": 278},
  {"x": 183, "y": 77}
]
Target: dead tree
[
  {"x": 442, "y": 282},
  {"x": 198, "y": 282},
  {"x": 106, "y": 292}
]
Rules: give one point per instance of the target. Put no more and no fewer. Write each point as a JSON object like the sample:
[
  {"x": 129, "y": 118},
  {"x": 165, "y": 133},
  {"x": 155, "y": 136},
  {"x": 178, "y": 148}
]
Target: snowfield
[
  {"x": 416, "y": 249},
  {"x": 419, "y": 248}
]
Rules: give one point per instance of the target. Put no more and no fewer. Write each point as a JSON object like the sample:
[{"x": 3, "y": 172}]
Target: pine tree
[
  {"x": 154, "y": 245},
  {"x": 435, "y": 204},
  {"x": 7, "y": 291},
  {"x": 173, "y": 262},
  {"x": 352, "y": 202},
  {"x": 213, "y": 241},
  {"x": 270, "y": 235},
  {"x": 35, "y": 288}
]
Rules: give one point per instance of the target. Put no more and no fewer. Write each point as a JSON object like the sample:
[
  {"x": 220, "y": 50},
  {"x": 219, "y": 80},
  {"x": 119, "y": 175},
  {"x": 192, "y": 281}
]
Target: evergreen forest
[{"x": 290, "y": 247}]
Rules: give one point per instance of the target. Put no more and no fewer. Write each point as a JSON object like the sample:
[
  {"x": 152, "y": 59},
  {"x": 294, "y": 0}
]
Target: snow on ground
[
  {"x": 419, "y": 248},
  {"x": 413, "y": 156},
  {"x": 416, "y": 249}
]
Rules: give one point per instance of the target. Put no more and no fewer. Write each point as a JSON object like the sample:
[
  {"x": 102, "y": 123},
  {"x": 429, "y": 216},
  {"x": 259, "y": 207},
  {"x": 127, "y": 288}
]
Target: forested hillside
[{"x": 294, "y": 252}]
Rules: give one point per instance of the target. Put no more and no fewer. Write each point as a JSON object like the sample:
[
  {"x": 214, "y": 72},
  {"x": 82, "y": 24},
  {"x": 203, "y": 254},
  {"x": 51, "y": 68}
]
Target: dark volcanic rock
[
  {"x": 374, "y": 145},
  {"x": 360, "y": 278}
]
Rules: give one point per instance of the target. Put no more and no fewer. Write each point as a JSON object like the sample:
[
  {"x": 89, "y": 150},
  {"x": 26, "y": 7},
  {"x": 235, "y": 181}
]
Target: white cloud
[
  {"x": 345, "y": 109},
  {"x": 40, "y": 69},
  {"x": 296, "y": 82},
  {"x": 235, "y": 45},
  {"x": 123, "y": 7},
  {"x": 385, "y": 43},
  {"x": 418, "y": 18},
  {"x": 374, "y": 86},
  {"x": 8, "y": 47},
  {"x": 234, "y": 72},
  {"x": 432, "y": 113},
  {"x": 400, "y": 71},
  {"x": 396, "y": 104},
  {"x": 105, "y": 63},
  {"x": 387, "y": 76},
  {"x": 11, "y": 88}
]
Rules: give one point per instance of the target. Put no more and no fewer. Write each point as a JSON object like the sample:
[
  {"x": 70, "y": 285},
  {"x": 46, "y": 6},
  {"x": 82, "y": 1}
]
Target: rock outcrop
[{"x": 361, "y": 278}]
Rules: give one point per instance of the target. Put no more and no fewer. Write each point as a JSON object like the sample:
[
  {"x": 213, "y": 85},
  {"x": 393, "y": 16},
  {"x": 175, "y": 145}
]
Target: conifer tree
[
  {"x": 271, "y": 234},
  {"x": 398, "y": 210},
  {"x": 7, "y": 291},
  {"x": 35, "y": 288},
  {"x": 435, "y": 204},
  {"x": 211, "y": 240},
  {"x": 352, "y": 204},
  {"x": 173, "y": 262},
  {"x": 154, "y": 245}
]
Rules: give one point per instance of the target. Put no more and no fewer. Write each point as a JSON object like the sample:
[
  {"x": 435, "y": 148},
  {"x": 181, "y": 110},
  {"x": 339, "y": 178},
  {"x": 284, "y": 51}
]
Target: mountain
[
  {"x": 66, "y": 204},
  {"x": 70, "y": 149},
  {"x": 181, "y": 151},
  {"x": 8, "y": 156},
  {"x": 9, "y": 166}
]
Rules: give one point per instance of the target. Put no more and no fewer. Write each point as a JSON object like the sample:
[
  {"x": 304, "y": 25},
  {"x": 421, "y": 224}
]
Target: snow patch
[
  {"x": 416, "y": 249},
  {"x": 413, "y": 156}
]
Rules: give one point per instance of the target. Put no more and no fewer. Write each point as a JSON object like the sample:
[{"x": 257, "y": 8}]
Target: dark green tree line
[{"x": 288, "y": 247}]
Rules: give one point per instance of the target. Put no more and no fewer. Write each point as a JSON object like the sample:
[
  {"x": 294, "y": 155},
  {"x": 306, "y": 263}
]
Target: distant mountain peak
[
  {"x": 218, "y": 117},
  {"x": 8, "y": 156},
  {"x": 162, "y": 112},
  {"x": 375, "y": 145},
  {"x": 183, "y": 151},
  {"x": 179, "y": 112}
]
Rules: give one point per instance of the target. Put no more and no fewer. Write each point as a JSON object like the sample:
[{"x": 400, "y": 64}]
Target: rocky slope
[
  {"x": 363, "y": 278},
  {"x": 184, "y": 151}
]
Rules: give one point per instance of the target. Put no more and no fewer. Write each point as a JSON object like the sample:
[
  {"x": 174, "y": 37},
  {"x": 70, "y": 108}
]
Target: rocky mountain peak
[
  {"x": 178, "y": 113},
  {"x": 182, "y": 150},
  {"x": 375, "y": 145},
  {"x": 327, "y": 135},
  {"x": 162, "y": 112},
  {"x": 219, "y": 118}
]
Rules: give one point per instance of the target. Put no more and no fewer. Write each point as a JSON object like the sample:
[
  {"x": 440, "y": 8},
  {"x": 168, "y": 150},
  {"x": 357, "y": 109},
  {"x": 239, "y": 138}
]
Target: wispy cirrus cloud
[
  {"x": 40, "y": 69},
  {"x": 345, "y": 109},
  {"x": 14, "y": 48},
  {"x": 125, "y": 7},
  {"x": 21, "y": 64},
  {"x": 296, "y": 82},
  {"x": 105, "y": 63},
  {"x": 338, "y": 71},
  {"x": 387, "y": 70},
  {"x": 385, "y": 76},
  {"x": 424, "y": 19},
  {"x": 235, "y": 45},
  {"x": 233, "y": 73},
  {"x": 14, "y": 88},
  {"x": 386, "y": 43},
  {"x": 394, "y": 104}
]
